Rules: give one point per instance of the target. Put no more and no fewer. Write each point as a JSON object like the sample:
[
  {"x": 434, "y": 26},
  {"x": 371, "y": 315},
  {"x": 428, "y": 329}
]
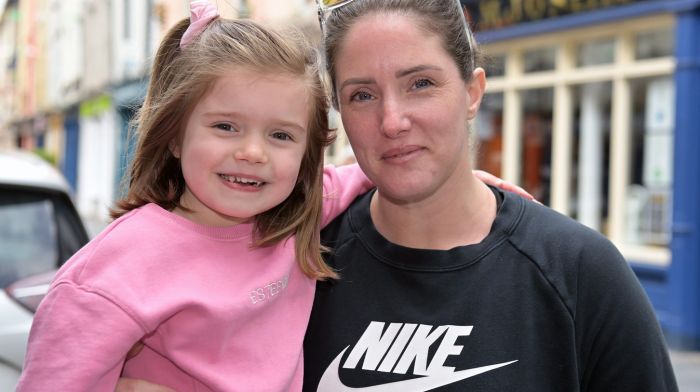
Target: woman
[{"x": 445, "y": 282}]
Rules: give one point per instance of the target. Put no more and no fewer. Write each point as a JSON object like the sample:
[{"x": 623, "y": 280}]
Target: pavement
[{"x": 686, "y": 365}]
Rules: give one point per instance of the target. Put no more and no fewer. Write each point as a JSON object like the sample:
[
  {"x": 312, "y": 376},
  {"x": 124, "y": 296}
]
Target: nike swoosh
[{"x": 330, "y": 381}]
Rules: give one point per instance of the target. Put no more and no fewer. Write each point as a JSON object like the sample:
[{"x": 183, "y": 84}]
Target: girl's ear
[{"x": 476, "y": 88}]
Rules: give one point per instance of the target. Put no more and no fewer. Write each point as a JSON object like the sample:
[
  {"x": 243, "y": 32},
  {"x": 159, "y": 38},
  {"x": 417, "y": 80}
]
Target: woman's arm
[
  {"x": 620, "y": 342},
  {"x": 133, "y": 385}
]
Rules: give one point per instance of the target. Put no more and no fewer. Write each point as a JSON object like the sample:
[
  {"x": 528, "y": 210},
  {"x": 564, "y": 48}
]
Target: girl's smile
[{"x": 244, "y": 183}]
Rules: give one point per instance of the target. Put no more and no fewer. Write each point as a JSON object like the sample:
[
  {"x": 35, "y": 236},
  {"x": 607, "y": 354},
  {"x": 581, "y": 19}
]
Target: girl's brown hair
[{"x": 180, "y": 77}]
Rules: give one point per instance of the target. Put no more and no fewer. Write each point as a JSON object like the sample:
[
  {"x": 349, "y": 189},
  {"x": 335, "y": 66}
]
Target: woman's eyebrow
[
  {"x": 418, "y": 68},
  {"x": 353, "y": 81}
]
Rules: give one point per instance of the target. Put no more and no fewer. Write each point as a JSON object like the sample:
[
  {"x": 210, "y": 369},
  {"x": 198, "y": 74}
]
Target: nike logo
[{"x": 330, "y": 381}]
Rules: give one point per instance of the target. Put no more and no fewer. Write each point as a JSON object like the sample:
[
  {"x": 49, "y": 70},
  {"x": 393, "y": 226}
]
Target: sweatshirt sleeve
[
  {"x": 341, "y": 185},
  {"x": 78, "y": 342},
  {"x": 621, "y": 344}
]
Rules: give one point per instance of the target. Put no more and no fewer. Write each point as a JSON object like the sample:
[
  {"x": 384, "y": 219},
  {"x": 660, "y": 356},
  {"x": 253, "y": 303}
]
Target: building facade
[{"x": 592, "y": 106}]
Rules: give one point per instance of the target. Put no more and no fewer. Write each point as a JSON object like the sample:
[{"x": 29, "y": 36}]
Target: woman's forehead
[
  {"x": 381, "y": 26},
  {"x": 372, "y": 37}
]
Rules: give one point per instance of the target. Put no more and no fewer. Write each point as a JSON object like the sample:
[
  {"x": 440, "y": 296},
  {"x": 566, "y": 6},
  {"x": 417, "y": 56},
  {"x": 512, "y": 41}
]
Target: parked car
[{"x": 39, "y": 230}]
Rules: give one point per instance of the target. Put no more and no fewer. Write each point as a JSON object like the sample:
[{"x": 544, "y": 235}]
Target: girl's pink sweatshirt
[{"x": 213, "y": 313}]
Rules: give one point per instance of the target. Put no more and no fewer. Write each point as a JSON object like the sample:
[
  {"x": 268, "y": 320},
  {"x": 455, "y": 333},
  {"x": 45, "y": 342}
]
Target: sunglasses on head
[{"x": 326, "y": 6}]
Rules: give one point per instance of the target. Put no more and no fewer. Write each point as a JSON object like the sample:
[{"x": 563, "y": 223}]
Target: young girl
[{"x": 225, "y": 194}]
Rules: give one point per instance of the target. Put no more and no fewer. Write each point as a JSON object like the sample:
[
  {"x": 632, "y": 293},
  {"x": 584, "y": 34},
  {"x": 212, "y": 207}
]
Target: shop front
[{"x": 592, "y": 106}]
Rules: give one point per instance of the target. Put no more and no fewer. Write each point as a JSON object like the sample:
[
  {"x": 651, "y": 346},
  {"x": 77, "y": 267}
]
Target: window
[
  {"x": 127, "y": 20},
  {"x": 536, "y": 131},
  {"x": 28, "y": 240},
  {"x": 583, "y": 119},
  {"x": 590, "y": 154},
  {"x": 489, "y": 133},
  {"x": 540, "y": 59},
  {"x": 654, "y": 43},
  {"x": 496, "y": 65},
  {"x": 648, "y": 199},
  {"x": 40, "y": 230},
  {"x": 596, "y": 52}
]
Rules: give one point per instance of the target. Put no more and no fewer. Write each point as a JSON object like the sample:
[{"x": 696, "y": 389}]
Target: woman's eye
[
  {"x": 422, "y": 83},
  {"x": 225, "y": 127},
  {"x": 279, "y": 135},
  {"x": 360, "y": 96}
]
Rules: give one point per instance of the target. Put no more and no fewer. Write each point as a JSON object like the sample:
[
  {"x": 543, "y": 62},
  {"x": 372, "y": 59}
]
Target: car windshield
[{"x": 28, "y": 238}]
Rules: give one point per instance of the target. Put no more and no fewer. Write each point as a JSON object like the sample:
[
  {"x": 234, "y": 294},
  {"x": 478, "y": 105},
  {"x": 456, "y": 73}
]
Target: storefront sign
[{"x": 492, "y": 14}]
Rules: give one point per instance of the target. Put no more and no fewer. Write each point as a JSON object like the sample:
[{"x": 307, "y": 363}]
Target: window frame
[{"x": 563, "y": 79}]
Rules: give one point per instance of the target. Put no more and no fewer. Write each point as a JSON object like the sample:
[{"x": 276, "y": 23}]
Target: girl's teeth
[{"x": 241, "y": 180}]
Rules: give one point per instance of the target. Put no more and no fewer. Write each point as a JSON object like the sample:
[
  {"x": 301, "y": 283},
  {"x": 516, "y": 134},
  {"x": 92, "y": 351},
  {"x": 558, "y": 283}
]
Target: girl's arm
[
  {"x": 341, "y": 185},
  {"x": 78, "y": 342},
  {"x": 489, "y": 179}
]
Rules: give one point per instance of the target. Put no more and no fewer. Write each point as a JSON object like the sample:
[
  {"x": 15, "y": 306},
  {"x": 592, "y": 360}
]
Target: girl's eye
[
  {"x": 361, "y": 96},
  {"x": 225, "y": 127},
  {"x": 280, "y": 135},
  {"x": 422, "y": 83}
]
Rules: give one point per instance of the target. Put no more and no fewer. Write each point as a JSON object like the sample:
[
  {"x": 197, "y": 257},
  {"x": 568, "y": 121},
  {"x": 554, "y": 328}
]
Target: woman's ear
[
  {"x": 476, "y": 88},
  {"x": 174, "y": 148}
]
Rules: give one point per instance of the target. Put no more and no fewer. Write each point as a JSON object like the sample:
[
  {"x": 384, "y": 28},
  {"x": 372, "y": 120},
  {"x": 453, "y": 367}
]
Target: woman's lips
[{"x": 401, "y": 153}]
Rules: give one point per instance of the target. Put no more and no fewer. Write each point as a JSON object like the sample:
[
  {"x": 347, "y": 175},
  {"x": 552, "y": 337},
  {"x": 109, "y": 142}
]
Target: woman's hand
[
  {"x": 133, "y": 385},
  {"x": 492, "y": 180}
]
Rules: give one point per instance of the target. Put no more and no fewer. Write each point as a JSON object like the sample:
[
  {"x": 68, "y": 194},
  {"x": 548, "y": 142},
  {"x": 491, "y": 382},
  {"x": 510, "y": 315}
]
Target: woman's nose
[
  {"x": 394, "y": 119},
  {"x": 252, "y": 150}
]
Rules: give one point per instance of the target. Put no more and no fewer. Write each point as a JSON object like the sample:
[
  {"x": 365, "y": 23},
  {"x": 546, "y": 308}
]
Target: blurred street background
[{"x": 591, "y": 105}]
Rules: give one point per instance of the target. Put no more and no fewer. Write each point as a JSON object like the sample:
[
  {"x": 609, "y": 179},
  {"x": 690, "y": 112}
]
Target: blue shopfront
[{"x": 592, "y": 105}]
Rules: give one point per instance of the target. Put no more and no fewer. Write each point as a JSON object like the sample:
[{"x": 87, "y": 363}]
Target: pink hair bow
[{"x": 201, "y": 13}]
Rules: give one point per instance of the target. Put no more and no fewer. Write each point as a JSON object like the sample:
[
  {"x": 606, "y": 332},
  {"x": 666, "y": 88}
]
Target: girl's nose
[{"x": 252, "y": 150}]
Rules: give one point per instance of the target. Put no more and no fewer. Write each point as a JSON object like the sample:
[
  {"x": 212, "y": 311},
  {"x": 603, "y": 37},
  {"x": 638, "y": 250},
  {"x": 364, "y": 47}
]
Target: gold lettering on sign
[
  {"x": 516, "y": 11},
  {"x": 490, "y": 14},
  {"x": 555, "y": 6},
  {"x": 500, "y": 13},
  {"x": 576, "y": 5},
  {"x": 535, "y": 9}
]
